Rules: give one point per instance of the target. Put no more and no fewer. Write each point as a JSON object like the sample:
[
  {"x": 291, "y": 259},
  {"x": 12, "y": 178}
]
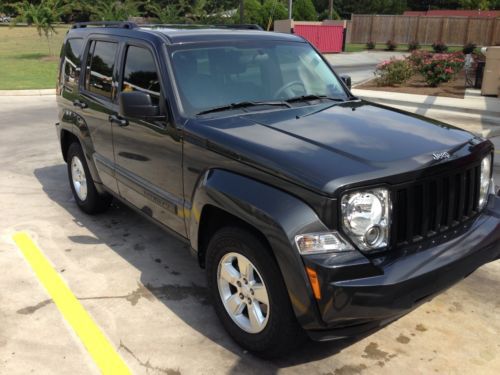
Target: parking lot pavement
[
  {"x": 360, "y": 66},
  {"x": 148, "y": 295}
]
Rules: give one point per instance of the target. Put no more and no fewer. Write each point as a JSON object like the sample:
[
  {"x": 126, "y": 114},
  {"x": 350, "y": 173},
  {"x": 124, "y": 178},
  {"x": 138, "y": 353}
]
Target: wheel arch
[
  {"x": 67, "y": 138},
  {"x": 214, "y": 218},
  {"x": 274, "y": 216}
]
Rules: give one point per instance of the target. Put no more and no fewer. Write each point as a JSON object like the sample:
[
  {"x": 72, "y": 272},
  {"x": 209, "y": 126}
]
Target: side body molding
[{"x": 276, "y": 214}]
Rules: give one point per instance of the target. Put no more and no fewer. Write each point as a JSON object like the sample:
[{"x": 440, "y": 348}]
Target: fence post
[
  {"x": 492, "y": 33},
  {"x": 466, "y": 37},
  {"x": 371, "y": 29},
  {"x": 393, "y": 34},
  {"x": 440, "y": 35},
  {"x": 417, "y": 29}
]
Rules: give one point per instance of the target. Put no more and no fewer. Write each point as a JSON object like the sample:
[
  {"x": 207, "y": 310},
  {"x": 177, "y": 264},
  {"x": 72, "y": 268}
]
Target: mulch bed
[{"x": 417, "y": 85}]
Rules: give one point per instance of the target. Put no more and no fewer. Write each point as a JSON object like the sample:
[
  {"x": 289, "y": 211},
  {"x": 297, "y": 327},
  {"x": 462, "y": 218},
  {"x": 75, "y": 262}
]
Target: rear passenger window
[
  {"x": 71, "y": 63},
  {"x": 140, "y": 73},
  {"x": 100, "y": 64}
]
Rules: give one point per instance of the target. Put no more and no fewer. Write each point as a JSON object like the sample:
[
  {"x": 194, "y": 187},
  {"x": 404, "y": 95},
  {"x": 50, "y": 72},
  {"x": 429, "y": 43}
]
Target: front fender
[{"x": 277, "y": 215}]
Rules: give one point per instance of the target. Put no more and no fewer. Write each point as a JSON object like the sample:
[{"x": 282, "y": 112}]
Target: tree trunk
[{"x": 48, "y": 43}]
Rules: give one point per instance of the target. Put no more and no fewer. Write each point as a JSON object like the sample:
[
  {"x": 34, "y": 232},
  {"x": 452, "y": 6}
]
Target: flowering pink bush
[
  {"x": 439, "y": 67},
  {"x": 436, "y": 68}
]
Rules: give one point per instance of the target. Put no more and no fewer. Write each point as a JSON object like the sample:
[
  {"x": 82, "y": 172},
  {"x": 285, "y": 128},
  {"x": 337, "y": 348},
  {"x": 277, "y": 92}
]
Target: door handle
[
  {"x": 118, "y": 120},
  {"x": 80, "y": 104}
]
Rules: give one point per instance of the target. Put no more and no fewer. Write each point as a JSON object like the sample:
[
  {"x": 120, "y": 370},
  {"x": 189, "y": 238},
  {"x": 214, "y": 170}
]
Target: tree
[
  {"x": 171, "y": 12},
  {"x": 273, "y": 10},
  {"x": 105, "y": 10},
  {"x": 42, "y": 16},
  {"x": 346, "y": 7},
  {"x": 303, "y": 10},
  {"x": 476, "y": 4},
  {"x": 252, "y": 12}
]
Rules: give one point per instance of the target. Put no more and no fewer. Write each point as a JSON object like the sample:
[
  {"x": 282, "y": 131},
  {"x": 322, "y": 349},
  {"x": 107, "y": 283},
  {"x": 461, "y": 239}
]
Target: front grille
[{"x": 425, "y": 208}]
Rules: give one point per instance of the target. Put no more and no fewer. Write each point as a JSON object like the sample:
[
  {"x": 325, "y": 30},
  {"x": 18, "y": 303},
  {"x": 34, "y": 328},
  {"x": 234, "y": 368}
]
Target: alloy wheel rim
[
  {"x": 243, "y": 292},
  {"x": 78, "y": 178}
]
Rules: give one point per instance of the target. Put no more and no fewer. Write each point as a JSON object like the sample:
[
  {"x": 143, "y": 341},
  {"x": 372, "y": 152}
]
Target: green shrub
[
  {"x": 252, "y": 12},
  {"x": 391, "y": 45},
  {"x": 468, "y": 48},
  {"x": 393, "y": 72},
  {"x": 439, "y": 47},
  {"x": 413, "y": 45},
  {"x": 303, "y": 10},
  {"x": 274, "y": 9},
  {"x": 370, "y": 45}
]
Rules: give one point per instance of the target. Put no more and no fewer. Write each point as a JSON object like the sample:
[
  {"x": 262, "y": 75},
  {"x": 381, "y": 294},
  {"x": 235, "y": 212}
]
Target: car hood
[{"x": 326, "y": 146}]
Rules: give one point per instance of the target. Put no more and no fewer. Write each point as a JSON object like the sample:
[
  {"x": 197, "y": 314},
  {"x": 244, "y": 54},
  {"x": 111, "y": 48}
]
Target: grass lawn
[
  {"x": 25, "y": 62},
  {"x": 358, "y": 47}
]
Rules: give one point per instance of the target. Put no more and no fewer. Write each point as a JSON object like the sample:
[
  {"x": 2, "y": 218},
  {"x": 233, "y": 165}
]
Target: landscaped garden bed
[
  {"x": 422, "y": 72},
  {"x": 455, "y": 88}
]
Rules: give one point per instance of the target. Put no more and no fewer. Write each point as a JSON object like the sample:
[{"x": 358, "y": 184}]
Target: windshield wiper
[
  {"x": 305, "y": 98},
  {"x": 244, "y": 104}
]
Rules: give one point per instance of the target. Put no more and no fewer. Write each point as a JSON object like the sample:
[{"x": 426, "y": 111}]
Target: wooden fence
[{"x": 424, "y": 29}]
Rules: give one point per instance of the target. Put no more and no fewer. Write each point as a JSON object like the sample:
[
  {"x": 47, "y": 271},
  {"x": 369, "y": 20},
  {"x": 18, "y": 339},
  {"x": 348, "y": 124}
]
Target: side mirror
[
  {"x": 137, "y": 104},
  {"x": 347, "y": 81}
]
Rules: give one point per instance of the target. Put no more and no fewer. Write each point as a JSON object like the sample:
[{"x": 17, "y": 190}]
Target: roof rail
[
  {"x": 119, "y": 24},
  {"x": 243, "y": 26},
  {"x": 202, "y": 26}
]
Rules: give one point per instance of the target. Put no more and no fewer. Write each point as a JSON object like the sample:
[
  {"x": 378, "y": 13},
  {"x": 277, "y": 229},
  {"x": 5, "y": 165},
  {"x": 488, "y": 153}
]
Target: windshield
[{"x": 212, "y": 75}]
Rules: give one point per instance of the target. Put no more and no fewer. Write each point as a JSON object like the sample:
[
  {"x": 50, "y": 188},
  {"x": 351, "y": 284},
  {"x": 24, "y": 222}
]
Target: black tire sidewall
[
  {"x": 281, "y": 332},
  {"x": 93, "y": 203}
]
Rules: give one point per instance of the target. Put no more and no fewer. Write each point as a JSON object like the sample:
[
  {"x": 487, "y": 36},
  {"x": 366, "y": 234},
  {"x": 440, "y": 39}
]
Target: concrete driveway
[
  {"x": 148, "y": 295},
  {"x": 360, "y": 65}
]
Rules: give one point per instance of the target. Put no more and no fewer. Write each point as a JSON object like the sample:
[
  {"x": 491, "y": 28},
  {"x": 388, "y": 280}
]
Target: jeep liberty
[{"x": 315, "y": 214}]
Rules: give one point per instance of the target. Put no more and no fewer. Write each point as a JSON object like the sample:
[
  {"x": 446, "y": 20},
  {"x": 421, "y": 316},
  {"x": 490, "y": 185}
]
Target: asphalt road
[{"x": 148, "y": 295}]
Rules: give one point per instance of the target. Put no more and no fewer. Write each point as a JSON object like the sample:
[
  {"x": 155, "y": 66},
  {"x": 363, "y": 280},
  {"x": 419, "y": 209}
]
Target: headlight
[
  {"x": 366, "y": 217},
  {"x": 484, "y": 182},
  {"x": 316, "y": 243}
]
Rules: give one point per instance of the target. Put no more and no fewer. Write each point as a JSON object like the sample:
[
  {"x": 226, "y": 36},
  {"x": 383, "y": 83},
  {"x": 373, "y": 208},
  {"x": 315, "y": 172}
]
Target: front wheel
[
  {"x": 82, "y": 185},
  {"x": 250, "y": 297}
]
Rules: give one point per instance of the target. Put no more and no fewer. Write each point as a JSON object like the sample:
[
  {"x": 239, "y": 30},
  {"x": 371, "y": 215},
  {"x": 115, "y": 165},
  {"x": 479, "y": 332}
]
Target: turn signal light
[{"x": 313, "y": 278}]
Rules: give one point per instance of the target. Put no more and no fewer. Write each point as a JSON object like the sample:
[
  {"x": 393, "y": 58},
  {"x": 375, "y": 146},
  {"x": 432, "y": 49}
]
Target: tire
[
  {"x": 280, "y": 332},
  {"x": 82, "y": 185}
]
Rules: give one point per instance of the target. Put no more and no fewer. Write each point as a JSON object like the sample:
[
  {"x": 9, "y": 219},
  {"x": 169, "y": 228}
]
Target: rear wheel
[
  {"x": 250, "y": 297},
  {"x": 82, "y": 185}
]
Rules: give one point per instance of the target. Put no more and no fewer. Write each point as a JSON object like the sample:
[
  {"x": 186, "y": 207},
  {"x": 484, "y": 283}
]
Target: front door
[{"x": 148, "y": 152}]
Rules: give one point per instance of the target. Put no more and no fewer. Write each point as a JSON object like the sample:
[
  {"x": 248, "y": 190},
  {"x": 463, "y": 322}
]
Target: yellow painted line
[
  {"x": 497, "y": 151},
  {"x": 98, "y": 346}
]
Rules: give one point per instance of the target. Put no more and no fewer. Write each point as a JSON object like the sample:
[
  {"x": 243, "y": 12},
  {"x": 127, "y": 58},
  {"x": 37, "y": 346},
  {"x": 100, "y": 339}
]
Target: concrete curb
[
  {"x": 489, "y": 107},
  {"x": 40, "y": 92}
]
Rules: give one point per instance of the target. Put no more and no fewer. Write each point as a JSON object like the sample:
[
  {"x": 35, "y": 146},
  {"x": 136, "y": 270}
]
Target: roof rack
[
  {"x": 202, "y": 26},
  {"x": 118, "y": 24}
]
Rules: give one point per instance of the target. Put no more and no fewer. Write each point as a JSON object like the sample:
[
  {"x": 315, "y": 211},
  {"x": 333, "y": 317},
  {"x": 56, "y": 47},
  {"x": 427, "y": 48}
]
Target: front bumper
[{"x": 359, "y": 295}]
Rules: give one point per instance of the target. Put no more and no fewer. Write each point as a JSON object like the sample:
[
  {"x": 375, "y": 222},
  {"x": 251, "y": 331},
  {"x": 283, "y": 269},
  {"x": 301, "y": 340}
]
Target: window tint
[
  {"x": 140, "y": 73},
  {"x": 71, "y": 62},
  {"x": 213, "y": 75},
  {"x": 99, "y": 75}
]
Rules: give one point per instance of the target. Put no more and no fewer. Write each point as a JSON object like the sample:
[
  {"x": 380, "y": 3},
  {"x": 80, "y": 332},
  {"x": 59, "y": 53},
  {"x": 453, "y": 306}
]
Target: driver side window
[{"x": 140, "y": 73}]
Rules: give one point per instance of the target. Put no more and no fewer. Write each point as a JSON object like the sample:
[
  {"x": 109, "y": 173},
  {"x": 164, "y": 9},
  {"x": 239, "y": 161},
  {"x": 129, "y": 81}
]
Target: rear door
[
  {"x": 148, "y": 152},
  {"x": 98, "y": 102}
]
